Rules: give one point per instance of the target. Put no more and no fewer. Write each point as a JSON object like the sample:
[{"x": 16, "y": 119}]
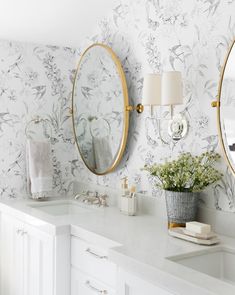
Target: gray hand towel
[{"x": 39, "y": 166}]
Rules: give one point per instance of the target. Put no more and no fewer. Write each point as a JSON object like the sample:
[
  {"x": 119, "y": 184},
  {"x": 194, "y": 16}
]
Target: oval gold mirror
[
  {"x": 226, "y": 108},
  {"x": 99, "y": 109}
]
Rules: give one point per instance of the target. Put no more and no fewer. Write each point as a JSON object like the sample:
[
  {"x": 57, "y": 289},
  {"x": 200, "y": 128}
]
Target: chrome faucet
[
  {"x": 93, "y": 198},
  {"x": 102, "y": 199}
]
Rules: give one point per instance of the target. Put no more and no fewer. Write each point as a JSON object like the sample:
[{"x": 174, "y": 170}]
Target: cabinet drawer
[
  {"x": 82, "y": 284},
  {"x": 129, "y": 284},
  {"x": 93, "y": 260}
]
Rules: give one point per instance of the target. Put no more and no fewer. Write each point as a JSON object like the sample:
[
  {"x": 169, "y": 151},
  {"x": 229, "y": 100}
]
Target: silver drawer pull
[
  {"x": 88, "y": 250},
  {"x": 94, "y": 289}
]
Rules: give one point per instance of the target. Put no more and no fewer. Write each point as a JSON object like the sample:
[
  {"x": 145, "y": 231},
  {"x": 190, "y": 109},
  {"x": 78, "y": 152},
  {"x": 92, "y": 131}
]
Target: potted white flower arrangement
[{"x": 183, "y": 179}]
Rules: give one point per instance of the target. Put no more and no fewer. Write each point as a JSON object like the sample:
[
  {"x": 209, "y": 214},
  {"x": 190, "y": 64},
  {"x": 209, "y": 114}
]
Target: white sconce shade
[
  {"x": 152, "y": 90},
  {"x": 172, "y": 89}
]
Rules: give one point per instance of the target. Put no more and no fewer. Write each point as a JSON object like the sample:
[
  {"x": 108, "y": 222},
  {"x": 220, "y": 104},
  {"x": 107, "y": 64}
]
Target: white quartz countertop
[{"x": 139, "y": 244}]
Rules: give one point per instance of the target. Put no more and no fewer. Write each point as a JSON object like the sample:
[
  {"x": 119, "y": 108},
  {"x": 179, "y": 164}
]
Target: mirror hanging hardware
[
  {"x": 139, "y": 108},
  {"x": 215, "y": 104}
]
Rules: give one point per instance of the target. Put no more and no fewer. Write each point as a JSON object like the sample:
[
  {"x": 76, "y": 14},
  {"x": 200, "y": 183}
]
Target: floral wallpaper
[
  {"x": 191, "y": 36},
  {"x": 35, "y": 81}
]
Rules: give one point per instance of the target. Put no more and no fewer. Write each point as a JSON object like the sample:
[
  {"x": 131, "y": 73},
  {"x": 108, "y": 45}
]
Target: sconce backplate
[{"x": 178, "y": 127}]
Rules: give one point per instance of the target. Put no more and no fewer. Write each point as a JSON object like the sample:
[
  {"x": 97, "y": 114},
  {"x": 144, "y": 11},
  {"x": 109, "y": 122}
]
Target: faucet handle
[
  {"x": 77, "y": 196},
  {"x": 103, "y": 200}
]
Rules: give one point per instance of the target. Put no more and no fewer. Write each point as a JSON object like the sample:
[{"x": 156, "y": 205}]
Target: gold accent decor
[
  {"x": 139, "y": 108},
  {"x": 125, "y": 110},
  {"x": 173, "y": 225},
  {"x": 130, "y": 108},
  {"x": 215, "y": 104},
  {"x": 222, "y": 143}
]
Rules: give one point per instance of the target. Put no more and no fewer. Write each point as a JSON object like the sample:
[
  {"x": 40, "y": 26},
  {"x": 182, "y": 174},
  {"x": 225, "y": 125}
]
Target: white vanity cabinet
[
  {"x": 129, "y": 284},
  {"x": 69, "y": 261},
  {"x": 26, "y": 259}
]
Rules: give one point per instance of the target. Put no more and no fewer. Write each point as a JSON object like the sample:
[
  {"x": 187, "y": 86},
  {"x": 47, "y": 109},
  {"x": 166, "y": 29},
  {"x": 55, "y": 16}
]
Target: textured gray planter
[{"x": 181, "y": 207}]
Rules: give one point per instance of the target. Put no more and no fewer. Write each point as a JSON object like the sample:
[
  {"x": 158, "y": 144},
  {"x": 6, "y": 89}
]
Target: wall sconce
[{"x": 165, "y": 90}]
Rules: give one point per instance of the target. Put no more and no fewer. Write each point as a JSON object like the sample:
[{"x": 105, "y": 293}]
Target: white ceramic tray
[
  {"x": 199, "y": 236},
  {"x": 178, "y": 232}
]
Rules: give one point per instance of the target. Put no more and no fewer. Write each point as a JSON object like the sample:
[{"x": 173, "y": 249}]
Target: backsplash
[
  {"x": 35, "y": 81},
  {"x": 151, "y": 36}
]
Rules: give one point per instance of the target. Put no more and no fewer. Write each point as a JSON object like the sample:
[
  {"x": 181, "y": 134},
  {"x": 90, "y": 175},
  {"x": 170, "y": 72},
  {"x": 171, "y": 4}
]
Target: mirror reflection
[
  {"x": 100, "y": 118},
  {"x": 227, "y": 108}
]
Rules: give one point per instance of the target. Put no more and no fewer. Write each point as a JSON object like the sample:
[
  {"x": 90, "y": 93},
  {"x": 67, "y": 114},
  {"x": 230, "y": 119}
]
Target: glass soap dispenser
[{"x": 128, "y": 199}]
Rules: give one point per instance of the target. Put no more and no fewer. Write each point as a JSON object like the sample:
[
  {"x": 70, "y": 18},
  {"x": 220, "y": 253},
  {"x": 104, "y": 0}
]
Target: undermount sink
[
  {"x": 218, "y": 263},
  {"x": 58, "y": 208}
]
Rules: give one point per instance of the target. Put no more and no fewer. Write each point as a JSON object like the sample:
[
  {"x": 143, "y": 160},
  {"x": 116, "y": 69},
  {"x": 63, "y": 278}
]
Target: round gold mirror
[
  {"x": 226, "y": 108},
  {"x": 99, "y": 109}
]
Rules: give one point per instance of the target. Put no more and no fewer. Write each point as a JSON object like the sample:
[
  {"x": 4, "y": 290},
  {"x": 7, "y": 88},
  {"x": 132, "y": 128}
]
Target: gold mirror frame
[
  {"x": 121, "y": 74},
  {"x": 217, "y": 104}
]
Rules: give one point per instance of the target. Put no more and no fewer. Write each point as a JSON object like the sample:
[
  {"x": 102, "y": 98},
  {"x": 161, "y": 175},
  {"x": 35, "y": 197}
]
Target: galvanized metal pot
[{"x": 181, "y": 207}]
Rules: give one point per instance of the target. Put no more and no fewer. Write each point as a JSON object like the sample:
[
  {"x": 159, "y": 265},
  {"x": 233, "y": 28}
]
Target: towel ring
[
  {"x": 92, "y": 129},
  {"x": 38, "y": 120}
]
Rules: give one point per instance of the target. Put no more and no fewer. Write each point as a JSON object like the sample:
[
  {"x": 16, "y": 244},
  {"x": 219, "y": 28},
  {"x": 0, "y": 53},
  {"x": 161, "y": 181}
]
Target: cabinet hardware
[
  {"x": 19, "y": 231},
  {"x": 94, "y": 289},
  {"x": 96, "y": 255}
]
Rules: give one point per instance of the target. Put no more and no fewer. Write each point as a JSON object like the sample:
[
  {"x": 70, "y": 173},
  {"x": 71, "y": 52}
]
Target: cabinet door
[
  {"x": 38, "y": 262},
  {"x": 132, "y": 285},
  {"x": 27, "y": 260},
  {"x": 11, "y": 256}
]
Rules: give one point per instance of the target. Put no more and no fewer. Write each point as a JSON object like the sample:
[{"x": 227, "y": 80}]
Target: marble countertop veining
[{"x": 139, "y": 244}]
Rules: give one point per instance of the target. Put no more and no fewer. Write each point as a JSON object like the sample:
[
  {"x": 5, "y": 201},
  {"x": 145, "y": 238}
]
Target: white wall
[{"x": 56, "y": 22}]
